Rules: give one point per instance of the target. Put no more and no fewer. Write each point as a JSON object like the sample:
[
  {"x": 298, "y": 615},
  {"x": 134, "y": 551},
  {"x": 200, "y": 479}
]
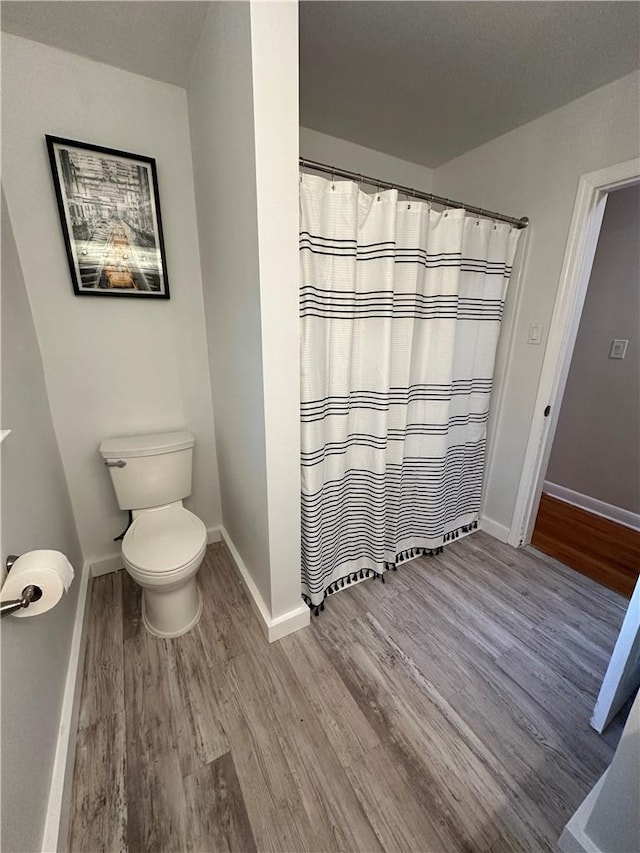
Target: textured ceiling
[
  {"x": 156, "y": 39},
  {"x": 427, "y": 81},
  {"x": 424, "y": 81}
]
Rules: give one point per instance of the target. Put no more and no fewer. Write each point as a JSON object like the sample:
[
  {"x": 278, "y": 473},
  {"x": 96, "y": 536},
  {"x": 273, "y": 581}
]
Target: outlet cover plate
[{"x": 618, "y": 348}]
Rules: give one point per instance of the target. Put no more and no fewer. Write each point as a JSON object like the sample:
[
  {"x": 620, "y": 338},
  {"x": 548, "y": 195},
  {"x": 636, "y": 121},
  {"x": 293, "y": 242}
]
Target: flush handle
[{"x": 115, "y": 463}]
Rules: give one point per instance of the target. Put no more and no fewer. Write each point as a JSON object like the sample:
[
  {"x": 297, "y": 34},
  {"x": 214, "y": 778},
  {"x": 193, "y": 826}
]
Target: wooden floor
[
  {"x": 445, "y": 710},
  {"x": 601, "y": 549}
]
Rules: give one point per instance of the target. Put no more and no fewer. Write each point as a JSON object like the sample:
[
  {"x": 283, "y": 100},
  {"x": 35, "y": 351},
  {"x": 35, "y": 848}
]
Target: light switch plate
[
  {"x": 618, "y": 348},
  {"x": 535, "y": 334}
]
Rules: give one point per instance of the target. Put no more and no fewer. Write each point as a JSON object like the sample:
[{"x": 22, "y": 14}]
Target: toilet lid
[{"x": 163, "y": 540}]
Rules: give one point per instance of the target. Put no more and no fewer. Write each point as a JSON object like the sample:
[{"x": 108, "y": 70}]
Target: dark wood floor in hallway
[
  {"x": 599, "y": 548},
  {"x": 444, "y": 710}
]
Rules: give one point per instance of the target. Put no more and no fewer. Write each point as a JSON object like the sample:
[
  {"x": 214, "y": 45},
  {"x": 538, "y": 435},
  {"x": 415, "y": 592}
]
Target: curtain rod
[{"x": 446, "y": 202}]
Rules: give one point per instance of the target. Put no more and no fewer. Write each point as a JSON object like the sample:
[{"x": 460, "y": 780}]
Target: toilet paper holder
[{"x": 29, "y": 593}]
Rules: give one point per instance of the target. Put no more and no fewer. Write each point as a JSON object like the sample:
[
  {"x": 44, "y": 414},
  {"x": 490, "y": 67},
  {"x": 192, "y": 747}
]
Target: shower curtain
[{"x": 400, "y": 312}]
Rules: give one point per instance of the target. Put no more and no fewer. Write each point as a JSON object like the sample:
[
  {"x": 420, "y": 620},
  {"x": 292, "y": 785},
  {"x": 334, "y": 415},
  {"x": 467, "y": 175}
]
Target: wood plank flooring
[
  {"x": 599, "y": 548},
  {"x": 445, "y": 710}
]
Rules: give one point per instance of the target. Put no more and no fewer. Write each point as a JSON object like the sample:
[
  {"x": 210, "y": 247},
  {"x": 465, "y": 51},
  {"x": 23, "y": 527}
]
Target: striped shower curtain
[{"x": 400, "y": 314}]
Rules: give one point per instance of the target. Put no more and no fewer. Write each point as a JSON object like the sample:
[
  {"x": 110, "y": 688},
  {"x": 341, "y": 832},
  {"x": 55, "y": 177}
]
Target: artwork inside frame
[{"x": 110, "y": 215}]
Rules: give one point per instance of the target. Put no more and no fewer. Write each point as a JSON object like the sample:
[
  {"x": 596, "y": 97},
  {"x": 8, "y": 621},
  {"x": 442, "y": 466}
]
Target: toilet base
[{"x": 171, "y": 614}]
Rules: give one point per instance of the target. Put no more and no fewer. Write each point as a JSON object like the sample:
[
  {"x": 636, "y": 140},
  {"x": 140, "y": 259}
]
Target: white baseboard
[
  {"x": 494, "y": 528},
  {"x": 273, "y": 629},
  {"x": 597, "y": 507},
  {"x": 289, "y": 622},
  {"x": 213, "y": 534},
  {"x": 106, "y": 565},
  {"x": 56, "y": 828}
]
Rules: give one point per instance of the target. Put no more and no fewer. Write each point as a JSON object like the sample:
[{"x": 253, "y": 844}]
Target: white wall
[
  {"x": 365, "y": 161},
  {"x": 534, "y": 171},
  {"x": 113, "y": 366},
  {"x": 274, "y": 46},
  {"x": 596, "y": 447},
  {"x": 242, "y": 96},
  {"x": 36, "y": 513},
  {"x": 614, "y": 823},
  {"x": 220, "y": 96},
  {"x": 608, "y": 820}
]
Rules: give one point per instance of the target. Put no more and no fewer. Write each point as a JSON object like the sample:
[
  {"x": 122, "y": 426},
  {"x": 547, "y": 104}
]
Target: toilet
[{"x": 165, "y": 543}]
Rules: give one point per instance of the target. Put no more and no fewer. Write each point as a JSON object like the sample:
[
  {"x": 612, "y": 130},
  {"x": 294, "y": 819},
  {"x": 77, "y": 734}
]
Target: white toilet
[{"x": 164, "y": 546}]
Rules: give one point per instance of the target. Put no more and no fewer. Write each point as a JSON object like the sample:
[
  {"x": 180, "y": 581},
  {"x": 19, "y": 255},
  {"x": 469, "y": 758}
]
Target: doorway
[
  {"x": 588, "y": 212},
  {"x": 623, "y": 672},
  {"x": 589, "y": 512}
]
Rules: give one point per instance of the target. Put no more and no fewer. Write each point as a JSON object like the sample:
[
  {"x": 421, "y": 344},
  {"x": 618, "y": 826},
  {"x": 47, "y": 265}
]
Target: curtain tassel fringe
[{"x": 403, "y": 556}]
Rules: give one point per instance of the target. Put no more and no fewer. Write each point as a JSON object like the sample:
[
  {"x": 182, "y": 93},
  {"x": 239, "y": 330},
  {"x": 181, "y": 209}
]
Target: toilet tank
[{"x": 149, "y": 470}]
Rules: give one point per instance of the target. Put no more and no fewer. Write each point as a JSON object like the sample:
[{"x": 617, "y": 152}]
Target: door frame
[
  {"x": 588, "y": 210},
  {"x": 622, "y": 677}
]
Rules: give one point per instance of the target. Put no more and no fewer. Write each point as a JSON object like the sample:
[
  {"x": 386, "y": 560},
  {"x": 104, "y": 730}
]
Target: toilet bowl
[
  {"x": 162, "y": 552},
  {"x": 165, "y": 544}
]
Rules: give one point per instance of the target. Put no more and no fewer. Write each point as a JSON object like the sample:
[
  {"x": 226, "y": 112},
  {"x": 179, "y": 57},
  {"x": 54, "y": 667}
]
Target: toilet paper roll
[{"x": 48, "y": 570}]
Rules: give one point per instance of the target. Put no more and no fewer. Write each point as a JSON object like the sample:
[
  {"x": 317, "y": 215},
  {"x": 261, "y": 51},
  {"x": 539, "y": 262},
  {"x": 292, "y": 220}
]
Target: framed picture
[{"x": 110, "y": 215}]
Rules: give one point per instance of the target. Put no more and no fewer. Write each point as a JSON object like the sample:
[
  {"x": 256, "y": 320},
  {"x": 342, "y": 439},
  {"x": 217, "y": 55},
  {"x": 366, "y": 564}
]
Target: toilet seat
[{"x": 164, "y": 543}]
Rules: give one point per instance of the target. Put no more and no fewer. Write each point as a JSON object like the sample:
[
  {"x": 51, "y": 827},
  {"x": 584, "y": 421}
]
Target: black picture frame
[{"x": 109, "y": 210}]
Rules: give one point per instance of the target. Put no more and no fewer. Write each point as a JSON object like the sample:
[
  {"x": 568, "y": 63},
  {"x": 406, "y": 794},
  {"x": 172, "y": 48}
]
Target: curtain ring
[{"x": 333, "y": 179}]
